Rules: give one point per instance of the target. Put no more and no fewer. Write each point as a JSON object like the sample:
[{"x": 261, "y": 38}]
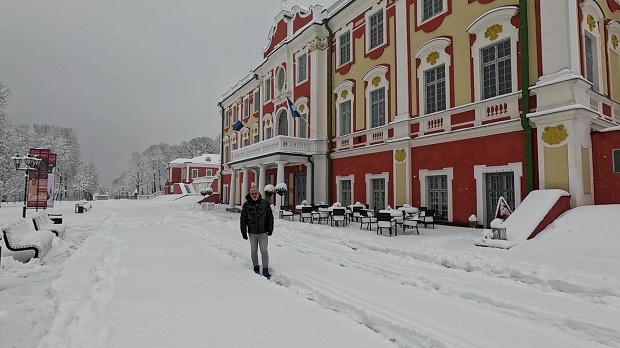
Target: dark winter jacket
[{"x": 256, "y": 216}]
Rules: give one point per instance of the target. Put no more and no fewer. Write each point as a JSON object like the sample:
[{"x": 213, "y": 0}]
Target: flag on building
[
  {"x": 293, "y": 108},
  {"x": 237, "y": 126}
]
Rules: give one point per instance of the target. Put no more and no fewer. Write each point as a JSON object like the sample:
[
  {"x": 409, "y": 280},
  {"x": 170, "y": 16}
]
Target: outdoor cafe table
[{"x": 409, "y": 210}]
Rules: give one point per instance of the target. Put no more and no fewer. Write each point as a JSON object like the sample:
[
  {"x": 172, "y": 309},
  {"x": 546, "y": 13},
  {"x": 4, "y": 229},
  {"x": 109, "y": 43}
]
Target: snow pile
[{"x": 522, "y": 222}]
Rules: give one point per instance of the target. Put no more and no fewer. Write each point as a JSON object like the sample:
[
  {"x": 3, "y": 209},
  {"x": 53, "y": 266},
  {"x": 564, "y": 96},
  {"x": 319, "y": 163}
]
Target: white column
[
  {"x": 233, "y": 189},
  {"x": 245, "y": 183},
  {"x": 309, "y": 179},
  {"x": 560, "y": 39},
  {"x": 402, "y": 60},
  {"x": 279, "y": 179},
  {"x": 261, "y": 179}
]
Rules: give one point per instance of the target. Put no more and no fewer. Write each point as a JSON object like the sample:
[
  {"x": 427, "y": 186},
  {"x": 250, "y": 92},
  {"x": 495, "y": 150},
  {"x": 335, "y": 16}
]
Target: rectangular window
[
  {"x": 377, "y": 190},
  {"x": 209, "y": 172},
  {"x": 591, "y": 68},
  {"x": 303, "y": 126},
  {"x": 435, "y": 86},
  {"x": 496, "y": 70},
  {"x": 302, "y": 68},
  {"x": 437, "y": 194},
  {"x": 235, "y": 113},
  {"x": 377, "y": 108},
  {"x": 234, "y": 145},
  {"x": 256, "y": 101},
  {"x": 376, "y": 29},
  {"x": 256, "y": 138},
  {"x": 226, "y": 118},
  {"x": 268, "y": 133},
  {"x": 616, "y": 160},
  {"x": 345, "y": 118},
  {"x": 246, "y": 141},
  {"x": 431, "y": 8},
  {"x": 345, "y": 193},
  {"x": 194, "y": 173},
  {"x": 345, "y": 47},
  {"x": 267, "y": 89},
  {"x": 246, "y": 107}
]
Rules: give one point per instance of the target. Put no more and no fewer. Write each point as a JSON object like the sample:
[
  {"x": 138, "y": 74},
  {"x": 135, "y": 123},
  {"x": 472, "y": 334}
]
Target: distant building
[{"x": 185, "y": 175}]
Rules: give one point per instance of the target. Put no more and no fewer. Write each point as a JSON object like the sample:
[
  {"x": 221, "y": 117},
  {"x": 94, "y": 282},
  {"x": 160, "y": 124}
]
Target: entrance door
[
  {"x": 377, "y": 194},
  {"x": 300, "y": 188},
  {"x": 499, "y": 185}
]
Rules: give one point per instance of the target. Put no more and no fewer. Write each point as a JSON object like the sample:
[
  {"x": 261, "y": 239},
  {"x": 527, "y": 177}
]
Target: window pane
[
  {"x": 303, "y": 126},
  {"x": 267, "y": 89},
  {"x": 377, "y": 108},
  {"x": 435, "y": 81},
  {"x": 376, "y": 29},
  {"x": 283, "y": 123},
  {"x": 431, "y": 8},
  {"x": 437, "y": 194},
  {"x": 257, "y": 101},
  {"x": 378, "y": 194},
  {"x": 345, "y": 192},
  {"x": 616, "y": 160},
  {"x": 301, "y": 68},
  {"x": 345, "y": 47},
  {"x": 345, "y": 118},
  {"x": 496, "y": 69}
]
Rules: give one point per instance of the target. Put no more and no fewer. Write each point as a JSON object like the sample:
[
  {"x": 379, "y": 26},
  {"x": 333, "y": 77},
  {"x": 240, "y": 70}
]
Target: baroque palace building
[{"x": 422, "y": 102}]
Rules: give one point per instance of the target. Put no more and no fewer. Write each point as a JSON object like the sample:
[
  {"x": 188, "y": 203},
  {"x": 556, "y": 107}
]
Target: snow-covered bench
[
  {"x": 42, "y": 222},
  {"x": 25, "y": 242}
]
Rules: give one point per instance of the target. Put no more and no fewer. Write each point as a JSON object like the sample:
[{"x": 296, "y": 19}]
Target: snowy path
[{"x": 160, "y": 274}]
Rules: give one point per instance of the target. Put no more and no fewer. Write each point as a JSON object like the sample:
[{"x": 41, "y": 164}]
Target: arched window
[{"x": 283, "y": 123}]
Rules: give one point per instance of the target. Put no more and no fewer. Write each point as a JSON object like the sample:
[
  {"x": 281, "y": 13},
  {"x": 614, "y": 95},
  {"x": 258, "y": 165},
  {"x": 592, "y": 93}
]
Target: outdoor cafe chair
[{"x": 386, "y": 220}]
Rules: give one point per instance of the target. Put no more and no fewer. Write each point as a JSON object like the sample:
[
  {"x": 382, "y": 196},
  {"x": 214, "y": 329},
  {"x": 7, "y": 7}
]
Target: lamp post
[{"x": 26, "y": 163}]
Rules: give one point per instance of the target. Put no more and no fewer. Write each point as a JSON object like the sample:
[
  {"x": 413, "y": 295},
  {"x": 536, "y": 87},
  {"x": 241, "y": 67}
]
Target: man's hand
[
  {"x": 245, "y": 236},
  {"x": 269, "y": 233}
]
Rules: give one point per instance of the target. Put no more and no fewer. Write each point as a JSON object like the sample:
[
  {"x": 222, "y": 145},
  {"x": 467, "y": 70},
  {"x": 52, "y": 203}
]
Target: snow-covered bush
[
  {"x": 337, "y": 204},
  {"x": 269, "y": 190},
  {"x": 281, "y": 189},
  {"x": 304, "y": 202},
  {"x": 488, "y": 234},
  {"x": 497, "y": 223}
]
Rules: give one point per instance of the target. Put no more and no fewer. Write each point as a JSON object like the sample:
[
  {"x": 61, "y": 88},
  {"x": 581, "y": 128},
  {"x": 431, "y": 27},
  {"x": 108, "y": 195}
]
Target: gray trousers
[{"x": 256, "y": 241}]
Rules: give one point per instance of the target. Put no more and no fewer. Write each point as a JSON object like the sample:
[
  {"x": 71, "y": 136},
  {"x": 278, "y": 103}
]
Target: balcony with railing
[
  {"x": 279, "y": 144},
  {"x": 606, "y": 109}
]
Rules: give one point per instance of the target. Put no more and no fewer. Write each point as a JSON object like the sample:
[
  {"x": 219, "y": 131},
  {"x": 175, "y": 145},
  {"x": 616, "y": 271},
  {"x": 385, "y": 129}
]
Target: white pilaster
[
  {"x": 233, "y": 189},
  {"x": 309, "y": 179},
  {"x": 245, "y": 183},
  {"x": 261, "y": 179},
  {"x": 402, "y": 60},
  {"x": 560, "y": 39}
]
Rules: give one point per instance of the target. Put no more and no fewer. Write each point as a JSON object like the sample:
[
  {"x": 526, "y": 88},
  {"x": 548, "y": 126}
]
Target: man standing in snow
[{"x": 257, "y": 220}]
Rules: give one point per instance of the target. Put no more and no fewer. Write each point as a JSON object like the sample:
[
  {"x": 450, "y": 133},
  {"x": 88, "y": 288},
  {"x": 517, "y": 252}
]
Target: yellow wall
[
  {"x": 586, "y": 169},
  {"x": 614, "y": 67},
  {"x": 400, "y": 179},
  {"x": 556, "y": 167}
]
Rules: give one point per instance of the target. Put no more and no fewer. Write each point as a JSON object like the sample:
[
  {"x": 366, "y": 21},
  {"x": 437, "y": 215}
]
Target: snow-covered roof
[{"x": 208, "y": 158}]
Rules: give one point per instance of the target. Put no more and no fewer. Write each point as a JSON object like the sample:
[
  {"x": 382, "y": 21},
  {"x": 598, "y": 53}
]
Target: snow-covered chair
[
  {"x": 285, "y": 213},
  {"x": 306, "y": 213},
  {"x": 366, "y": 219},
  {"x": 386, "y": 220},
  {"x": 42, "y": 222},
  {"x": 426, "y": 217},
  {"x": 338, "y": 215},
  {"x": 25, "y": 242}
]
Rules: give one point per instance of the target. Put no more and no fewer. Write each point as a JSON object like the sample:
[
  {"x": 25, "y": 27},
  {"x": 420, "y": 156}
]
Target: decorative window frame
[
  {"x": 280, "y": 70},
  {"x": 267, "y": 123},
  {"x": 209, "y": 172},
  {"x": 277, "y": 120},
  {"x": 244, "y": 134},
  {"x": 381, "y": 72},
  {"x": 344, "y": 92},
  {"x": 194, "y": 171},
  {"x": 340, "y": 178},
  {"x": 384, "y": 175},
  {"x": 267, "y": 86},
  {"x": 302, "y": 53},
  {"x": 302, "y": 106},
  {"x": 449, "y": 173},
  {"x": 431, "y": 54},
  {"x": 480, "y": 171},
  {"x": 420, "y": 12},
  {"x": 254, "y": 131},
  {"x": 491, "y": 28},
  {"x": 592, "y": 17},
  {"x": 374, "y": 10},
  {"x": 344, "y": 30}
]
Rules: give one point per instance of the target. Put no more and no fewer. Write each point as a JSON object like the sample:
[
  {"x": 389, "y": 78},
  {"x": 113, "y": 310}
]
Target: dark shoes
[
  {"x": 266, "y": 273},
  {"x": 257, "y": 269}
]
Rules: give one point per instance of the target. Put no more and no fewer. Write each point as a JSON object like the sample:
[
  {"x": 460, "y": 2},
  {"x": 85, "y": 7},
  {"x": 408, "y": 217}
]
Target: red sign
[{"x": 37, "y": 180}]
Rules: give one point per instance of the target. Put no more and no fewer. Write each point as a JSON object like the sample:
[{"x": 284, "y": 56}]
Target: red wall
[
  {"x": 176, "y": 175},
  {"x": 375, "y": 163},
  {"x": 462, "y": 156},
  {"x": 606, "y": 183}
]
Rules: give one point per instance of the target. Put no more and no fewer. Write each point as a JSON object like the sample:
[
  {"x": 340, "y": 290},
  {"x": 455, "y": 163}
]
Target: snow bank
[{"x": 522, "y": 222}]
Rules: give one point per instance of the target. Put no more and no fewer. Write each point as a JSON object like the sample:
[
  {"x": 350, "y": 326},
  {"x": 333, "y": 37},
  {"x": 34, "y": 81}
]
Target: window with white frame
[
  {"x": 346, "y": 192},
  {"x": 194, "y": 173},
  {"x": 235, "y": 113},
  {"x": 431, "y": 8},
  {"x": 344, "y": 51},
  {"x": 494, "y": 52},
  {"x": 376, "y": 30},
  {"x": 257, "y": 101},
  {"x": 267, "y": 89},
  {"x": 209, "y": 172},
  {"x": 246, "y": 107},
  {"x": 246, "y": 139},
  {"x": 233, "y": 143},
  {"x": 344, "y": 118},
  {"x": 376, "y": 190},
  {"x": 255, "y": 136},
  {"x": 616, "y": 160},
  {"x": 226, "y": 118},
  {"x": 302, "y": 126},
  {"x": 435, "y": 89},
  {"x": 283, "y": 123},
  {"x": 268, "y": 130},
  {"x": 280, "y": 79},
  {"x": 302, "y": 67},
  {"x": 377, "y": 108},
  {"x": 592, "y": 16},
  {"x": 437, "y": 194},
  {"x": 496, "y": 69}
]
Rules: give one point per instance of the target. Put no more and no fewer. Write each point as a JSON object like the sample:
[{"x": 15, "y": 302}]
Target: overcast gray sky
[{"x": 131, "y": 73}]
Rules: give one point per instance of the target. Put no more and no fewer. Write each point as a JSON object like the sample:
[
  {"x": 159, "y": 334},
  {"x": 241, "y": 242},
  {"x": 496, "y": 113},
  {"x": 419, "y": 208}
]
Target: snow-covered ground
[{"x": 162, "y": 273}]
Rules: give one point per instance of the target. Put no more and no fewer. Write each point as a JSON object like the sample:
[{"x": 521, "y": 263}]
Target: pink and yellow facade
[{"x": 421, "y": 102}]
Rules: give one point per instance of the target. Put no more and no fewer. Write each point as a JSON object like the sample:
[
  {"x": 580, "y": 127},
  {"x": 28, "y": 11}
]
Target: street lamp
[{"x": 26, "y": 163}]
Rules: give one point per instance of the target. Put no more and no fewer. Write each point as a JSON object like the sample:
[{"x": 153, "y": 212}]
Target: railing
[
  {"x": 363, "y": 138},
  {"x": 606, "y": 108},
  {"x": 280, "y": 143}
]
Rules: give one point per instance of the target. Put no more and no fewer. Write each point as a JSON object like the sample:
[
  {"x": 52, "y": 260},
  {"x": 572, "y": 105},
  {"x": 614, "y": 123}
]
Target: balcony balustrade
[
  {"x": 606, "y": 108},
  {"x": 279, "y": 144}
]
